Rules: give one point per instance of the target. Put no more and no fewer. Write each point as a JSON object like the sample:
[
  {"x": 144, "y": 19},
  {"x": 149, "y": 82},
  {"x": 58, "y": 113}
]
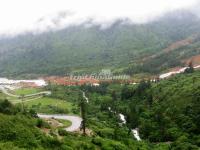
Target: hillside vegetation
[
  {"x": 123, "y": 47},
  {"x": 166, "y": 113}
]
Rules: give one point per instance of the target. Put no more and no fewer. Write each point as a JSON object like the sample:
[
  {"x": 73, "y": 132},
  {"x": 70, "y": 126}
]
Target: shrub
[{"x": 62, "y": 132}]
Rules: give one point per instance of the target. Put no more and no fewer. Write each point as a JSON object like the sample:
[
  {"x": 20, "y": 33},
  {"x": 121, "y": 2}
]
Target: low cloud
[{"x": 42, "y": 15}]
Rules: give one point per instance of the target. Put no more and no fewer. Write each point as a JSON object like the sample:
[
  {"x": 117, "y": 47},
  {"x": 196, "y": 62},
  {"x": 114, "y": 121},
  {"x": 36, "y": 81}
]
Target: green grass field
[
  {"x": 27, "y": 91},
  {"x": 4, "y": 96},
  {"x": 66, "y": 123},
  {"x": 50, "y": 105},
  {"x": 41, "y": 104},
  {"x": 21, "y": 91}
]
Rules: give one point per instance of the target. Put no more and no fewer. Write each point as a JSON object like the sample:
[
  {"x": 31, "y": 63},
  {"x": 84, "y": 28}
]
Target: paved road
[
  {"x": 25, "y": 100},
  {"x": 39, "y": 93},
  {"x": 181, "y": 70},
  {"x": 76, "y": 121},
  {"x": 7, "y": 93},
  {"x": 29, "y": 95}
]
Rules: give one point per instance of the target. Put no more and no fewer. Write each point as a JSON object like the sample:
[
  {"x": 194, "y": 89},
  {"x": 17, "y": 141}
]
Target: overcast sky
[{"x": 39, "y": 15}]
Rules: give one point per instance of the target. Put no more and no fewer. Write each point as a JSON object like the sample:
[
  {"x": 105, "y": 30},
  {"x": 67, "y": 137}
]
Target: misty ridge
[
  {"x": 121, "y": 44},
  {"x": 63, "y": 42},
  {"x": 60, "y": 20},
  {"x": 67, "y": 19}
]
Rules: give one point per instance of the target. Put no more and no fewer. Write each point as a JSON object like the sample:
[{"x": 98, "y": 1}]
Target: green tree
[
  {"x": 22, "y": 101},
  {"x": 83, "y": 113}
]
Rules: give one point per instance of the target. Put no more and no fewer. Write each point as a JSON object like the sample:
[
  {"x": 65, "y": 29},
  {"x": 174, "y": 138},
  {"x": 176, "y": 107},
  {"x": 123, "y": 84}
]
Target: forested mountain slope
[
  {"x": 166, "y": 114},
  {"x": 167, "y": 111},
  {"x": 123, "y": 45}
]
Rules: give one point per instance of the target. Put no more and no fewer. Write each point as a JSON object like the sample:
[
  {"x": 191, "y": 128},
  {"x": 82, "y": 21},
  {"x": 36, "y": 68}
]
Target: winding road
[
  {"x": 7, "y": 93},
  {"x": 25, "y": 100},
  {"x": 75, "y": 120},
  {"x": 29, "y": 95}
]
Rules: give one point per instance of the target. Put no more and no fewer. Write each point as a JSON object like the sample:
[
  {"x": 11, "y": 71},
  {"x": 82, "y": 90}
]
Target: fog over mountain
[
  {"x": 86, "y": 47},
  {"x": 126, "y": 36},
  {"x": 38, "y": 16},
  {"x": 195, "y": 9}
]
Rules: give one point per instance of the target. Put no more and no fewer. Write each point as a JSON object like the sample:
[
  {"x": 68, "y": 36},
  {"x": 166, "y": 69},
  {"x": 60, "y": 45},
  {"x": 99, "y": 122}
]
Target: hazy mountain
[{"x": 86, "y": 49}]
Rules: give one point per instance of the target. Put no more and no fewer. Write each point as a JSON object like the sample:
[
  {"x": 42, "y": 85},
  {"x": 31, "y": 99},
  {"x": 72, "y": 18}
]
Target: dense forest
[
  {"x": 123, "y": 47},
  {"x": 165, "y": 112}
]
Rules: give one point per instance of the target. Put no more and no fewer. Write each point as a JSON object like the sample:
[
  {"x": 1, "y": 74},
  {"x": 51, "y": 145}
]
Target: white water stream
[{"x": 134, "y": 131}]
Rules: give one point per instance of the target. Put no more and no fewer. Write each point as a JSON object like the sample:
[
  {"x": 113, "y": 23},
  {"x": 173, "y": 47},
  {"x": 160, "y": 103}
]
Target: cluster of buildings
[{"x": 67, "y": 81}]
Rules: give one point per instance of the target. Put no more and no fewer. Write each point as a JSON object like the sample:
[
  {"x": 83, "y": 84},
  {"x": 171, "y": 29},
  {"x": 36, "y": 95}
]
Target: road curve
[
  {"x": 25, "y": 100},
  {"x": 76, "y": 121},
  {"x": 29, "y": 95},
  {"x": 7, "y": 93},
  {"x": 39, "y": 93}
]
